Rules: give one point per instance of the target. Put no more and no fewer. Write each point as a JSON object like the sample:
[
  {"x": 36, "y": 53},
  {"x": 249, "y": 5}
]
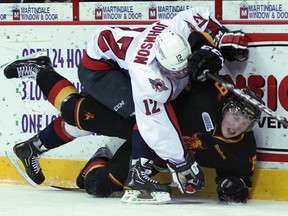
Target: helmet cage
[
  {"x": 249, "y": 111},
  {"x": 244, "y": 110}
]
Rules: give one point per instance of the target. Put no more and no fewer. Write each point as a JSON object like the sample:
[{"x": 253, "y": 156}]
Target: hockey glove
[
  {"x": 233, "y": 45},
  {"x": 207, "y": 59},
  {"x": 188, "y": 175},
  {"x": 232, "y": 189}
]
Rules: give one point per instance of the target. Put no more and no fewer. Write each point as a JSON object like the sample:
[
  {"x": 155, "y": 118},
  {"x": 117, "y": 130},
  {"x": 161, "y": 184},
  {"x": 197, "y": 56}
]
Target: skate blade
[
  {"x": 14, "y": 161},
  {"x": 33, "y": 55},
  {"x": 134, "y": 197}
]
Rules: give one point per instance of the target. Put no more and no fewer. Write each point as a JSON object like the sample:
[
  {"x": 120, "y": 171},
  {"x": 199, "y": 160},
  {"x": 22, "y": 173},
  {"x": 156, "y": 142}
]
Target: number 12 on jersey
[{"x": 151, "y": 106}]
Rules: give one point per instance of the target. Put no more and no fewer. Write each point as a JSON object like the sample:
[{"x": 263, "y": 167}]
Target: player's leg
[
  {"x": 28, "y": 66},
  {"x": 99, "y": 159},
  {"x": 139, "y": 179},
  {"x": 88, "y": 114},
  {"x": 56, "y": 134},
  {"x": 75, "y": 108},
  {"x": 84, "y": 112},
  {"x": 102, "y": 121},
  {"x": 58, "y": 89},
  {"x": 101, "y": 176},
  {"x": 112, "y": 88},
  {"x": 38, "y": 66}
]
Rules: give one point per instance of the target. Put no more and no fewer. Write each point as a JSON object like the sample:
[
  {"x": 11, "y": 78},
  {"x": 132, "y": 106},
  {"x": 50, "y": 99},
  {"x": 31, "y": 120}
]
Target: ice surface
[{"x": 22, "y": 200}]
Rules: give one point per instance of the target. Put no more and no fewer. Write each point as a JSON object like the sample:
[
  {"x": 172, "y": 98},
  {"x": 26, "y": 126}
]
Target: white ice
[{"x": 22, "y": 200}]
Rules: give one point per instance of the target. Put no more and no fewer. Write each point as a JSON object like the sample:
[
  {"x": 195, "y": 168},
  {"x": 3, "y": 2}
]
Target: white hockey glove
[
  {"x": 188, "y": 175},
  {"x": 206, "y": 59},
  {"x": 233, "y": 45}
]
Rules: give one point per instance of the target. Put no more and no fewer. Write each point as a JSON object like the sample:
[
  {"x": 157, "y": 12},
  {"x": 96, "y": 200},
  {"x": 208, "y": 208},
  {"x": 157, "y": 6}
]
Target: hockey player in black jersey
[{"x": 219, "y": 133}]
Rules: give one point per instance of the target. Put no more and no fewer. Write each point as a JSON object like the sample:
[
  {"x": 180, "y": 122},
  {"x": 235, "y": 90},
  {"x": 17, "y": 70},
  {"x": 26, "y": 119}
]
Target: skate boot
[
  {"x": 140, "y": 188},
  {"x": 100, "y": 158},
  {"x": 29, "y": 153},
  {"x": 28, "y": 66}
]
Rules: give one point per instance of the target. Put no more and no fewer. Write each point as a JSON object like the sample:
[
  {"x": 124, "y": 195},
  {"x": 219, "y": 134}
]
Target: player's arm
[
  {"x": 205, "y": 57},
  {"x": 233, "y": 177},
  {"x": 233, "y": 186},
  {"x": 233, "y": 44}
]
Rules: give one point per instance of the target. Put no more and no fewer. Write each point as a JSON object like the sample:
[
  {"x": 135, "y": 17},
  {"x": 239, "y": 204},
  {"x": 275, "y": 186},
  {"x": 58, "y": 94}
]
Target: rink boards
[
  {"x": 25, "y": 111},
  {"x": 269, "y": 184}
]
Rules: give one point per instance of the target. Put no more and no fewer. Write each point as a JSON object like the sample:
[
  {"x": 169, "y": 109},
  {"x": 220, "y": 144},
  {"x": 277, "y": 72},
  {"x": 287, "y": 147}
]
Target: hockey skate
[
  {"x": 100, "y": 154},
  {"x": 140, "y": 188},
  {"x": 29, "y": 155},
  {"x": 28, "y": 66}
]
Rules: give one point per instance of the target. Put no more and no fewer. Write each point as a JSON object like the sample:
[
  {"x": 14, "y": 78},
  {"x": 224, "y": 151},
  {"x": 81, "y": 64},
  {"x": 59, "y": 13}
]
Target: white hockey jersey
[{"x": 133, "y": 51}]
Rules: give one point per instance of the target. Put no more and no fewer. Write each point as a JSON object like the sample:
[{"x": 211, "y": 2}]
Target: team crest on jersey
[
  {"x": 158, "y": 85},
  {"x": 193, "y": 142},
  {"x": 88, "y": 115}
]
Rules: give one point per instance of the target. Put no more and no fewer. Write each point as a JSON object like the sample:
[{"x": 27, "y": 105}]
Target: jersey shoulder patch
[{"x": 207, "y": 121}]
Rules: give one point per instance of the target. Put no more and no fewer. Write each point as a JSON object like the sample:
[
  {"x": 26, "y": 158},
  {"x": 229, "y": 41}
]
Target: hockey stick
[
  {"x": 68, "y": 188},
  {"x": 248, "y": 98}
]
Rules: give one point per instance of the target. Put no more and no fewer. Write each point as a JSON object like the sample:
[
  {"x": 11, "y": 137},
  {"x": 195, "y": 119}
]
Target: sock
[
  {"x": 55, "y": 87},
  {"x": 54, "y": 135}
]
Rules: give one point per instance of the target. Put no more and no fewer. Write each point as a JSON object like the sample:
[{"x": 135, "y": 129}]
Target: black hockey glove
[
  {"x": 205, "y": 60},
  {"x": 233, "y": 45},
  {"x": 188, "y": 175},
  {"x": 232, "y": 189}
]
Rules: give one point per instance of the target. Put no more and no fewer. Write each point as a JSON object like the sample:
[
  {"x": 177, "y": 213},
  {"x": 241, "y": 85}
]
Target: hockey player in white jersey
[
  {"x": 152, "y": 64},
  {"x": 157, "y": 63},
  {"x": 156, "y": 60}
]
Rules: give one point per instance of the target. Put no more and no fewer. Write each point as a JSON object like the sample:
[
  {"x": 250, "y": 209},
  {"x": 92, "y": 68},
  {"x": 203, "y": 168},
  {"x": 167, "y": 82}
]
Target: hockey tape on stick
[{"x": 248, "y": 98}]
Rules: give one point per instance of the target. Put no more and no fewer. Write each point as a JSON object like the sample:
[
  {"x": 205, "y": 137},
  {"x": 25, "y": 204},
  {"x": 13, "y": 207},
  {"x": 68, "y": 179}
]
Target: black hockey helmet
[{"x": 248, "y": 110}]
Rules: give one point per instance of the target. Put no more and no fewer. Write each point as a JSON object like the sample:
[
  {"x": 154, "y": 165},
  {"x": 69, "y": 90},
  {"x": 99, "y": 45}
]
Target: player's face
[
  {"x": 234, "y": 123},
  {"x": 174, "y": 74}
]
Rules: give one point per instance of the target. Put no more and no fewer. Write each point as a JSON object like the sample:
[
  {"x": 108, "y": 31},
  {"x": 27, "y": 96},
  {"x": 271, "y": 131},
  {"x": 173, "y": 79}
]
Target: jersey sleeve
[
  {"x": 94, "y": 57},
  {"x": 155, "y": 116},
  {"x": 241, "y": 159},
  {"x": 196, "y": 18}
]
